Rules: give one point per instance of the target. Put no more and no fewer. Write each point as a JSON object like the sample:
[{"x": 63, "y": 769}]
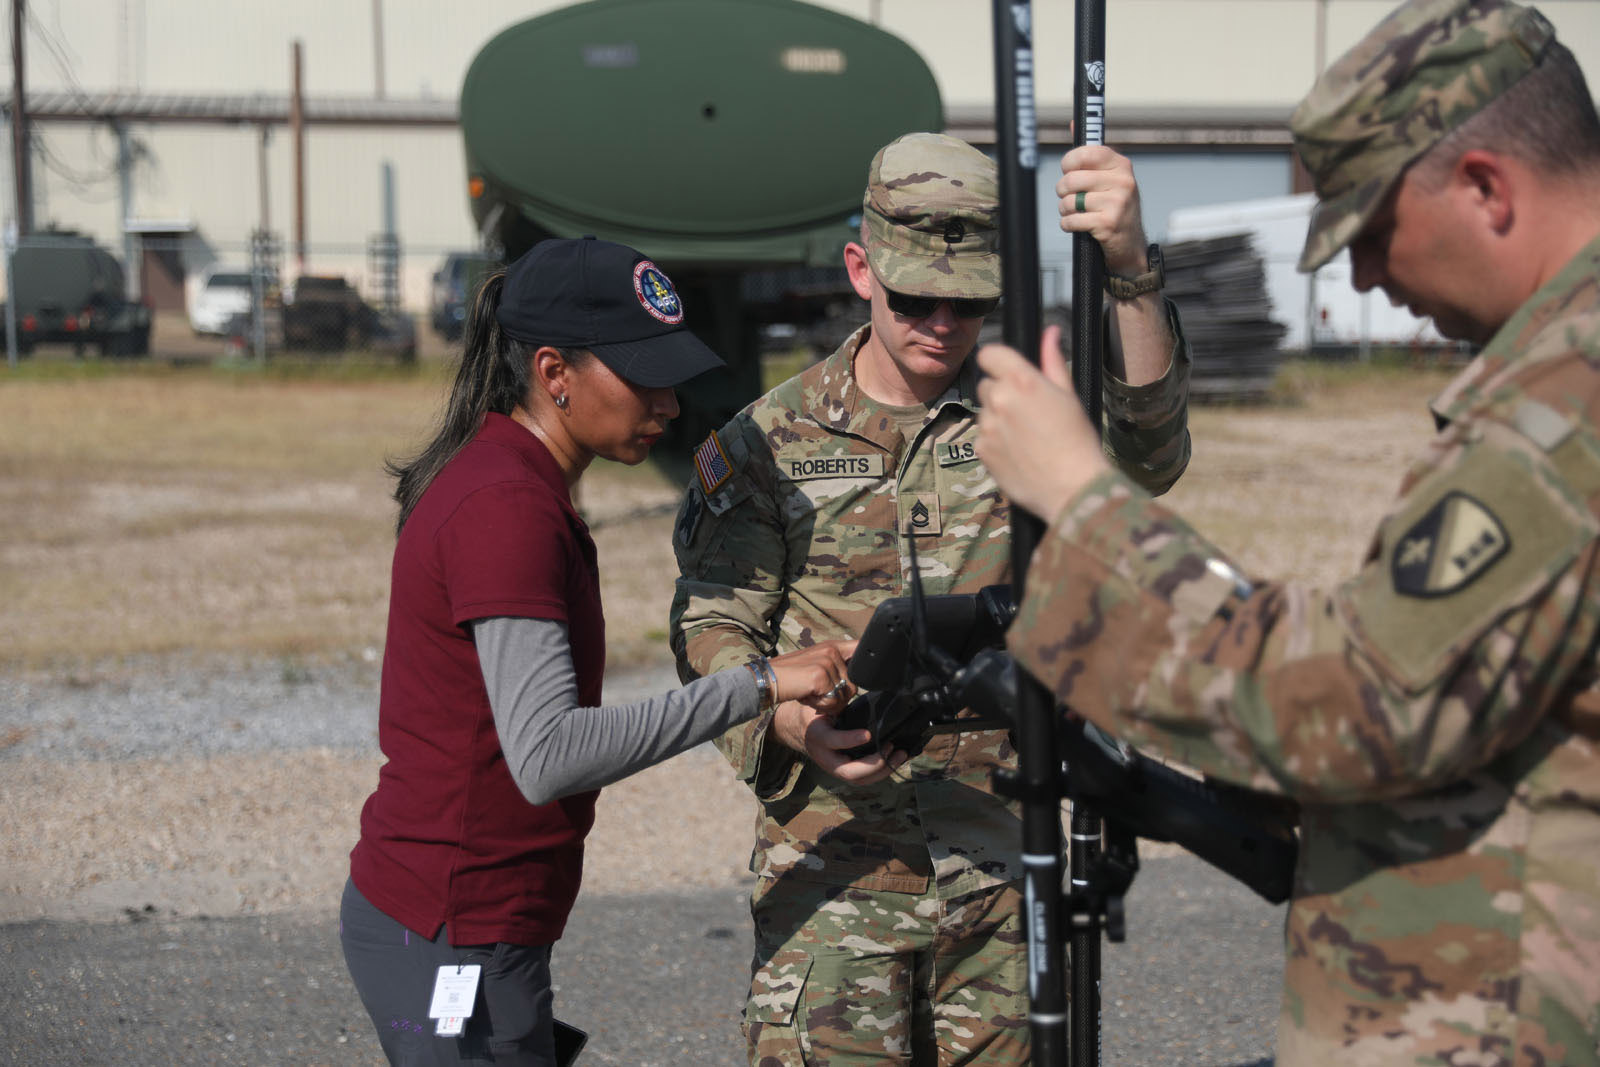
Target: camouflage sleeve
[
  {"x": 730, "y": 549},
  {"x": 1147, "y": 426},
  {"x": 1475, "y": 607}
]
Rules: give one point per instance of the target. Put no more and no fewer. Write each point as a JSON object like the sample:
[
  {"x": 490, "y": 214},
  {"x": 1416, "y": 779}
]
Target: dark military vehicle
[
  {"x": 726, "y": 139},
  {"x": 449, "y": 298},
  {"x": 324, "y": 313},
  {"x": 69, "y": 290}
]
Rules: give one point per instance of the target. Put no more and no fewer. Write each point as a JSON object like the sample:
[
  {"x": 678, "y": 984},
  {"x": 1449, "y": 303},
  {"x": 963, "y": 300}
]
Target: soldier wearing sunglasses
[{"x": 888, "y": 904}]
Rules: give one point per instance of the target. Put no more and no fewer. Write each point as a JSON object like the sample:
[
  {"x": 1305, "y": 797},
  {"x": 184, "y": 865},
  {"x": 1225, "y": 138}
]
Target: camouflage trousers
[{"x": 849, "y": 976}]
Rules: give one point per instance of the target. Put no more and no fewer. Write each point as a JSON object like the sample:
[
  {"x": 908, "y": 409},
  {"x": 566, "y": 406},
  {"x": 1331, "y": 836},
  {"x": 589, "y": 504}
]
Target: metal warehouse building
[{"x": 166, "y": 128}]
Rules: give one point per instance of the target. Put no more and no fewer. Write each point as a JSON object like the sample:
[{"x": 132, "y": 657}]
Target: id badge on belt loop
[{"x": 455, "y": 990}]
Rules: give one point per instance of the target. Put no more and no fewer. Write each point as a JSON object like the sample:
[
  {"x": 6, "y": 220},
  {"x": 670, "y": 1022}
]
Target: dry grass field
[
  {"x": 201, "y": 512},
  {"x": 1295, "y": 488},
  {"x": 172, "y": 524}
]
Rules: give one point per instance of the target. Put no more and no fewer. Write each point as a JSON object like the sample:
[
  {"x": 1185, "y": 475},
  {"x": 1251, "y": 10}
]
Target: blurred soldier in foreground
[
  {"x": 1437, "y": 715},
  {"x": 888, "y": 908}
]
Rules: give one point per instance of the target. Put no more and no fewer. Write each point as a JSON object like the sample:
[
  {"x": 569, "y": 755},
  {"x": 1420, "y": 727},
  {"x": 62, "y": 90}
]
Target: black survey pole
[
  {"x": 1038, "y": 760},
  {"x": 1088, "y": 278},
  {"x": 1088, "y": 268}
]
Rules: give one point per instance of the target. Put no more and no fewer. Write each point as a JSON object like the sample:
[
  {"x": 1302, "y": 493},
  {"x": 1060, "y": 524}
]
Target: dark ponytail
[{"x": 494, "y": 375}]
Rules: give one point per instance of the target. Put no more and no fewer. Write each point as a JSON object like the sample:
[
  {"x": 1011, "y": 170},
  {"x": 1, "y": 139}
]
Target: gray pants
[{"x": 512, "y": 1024}]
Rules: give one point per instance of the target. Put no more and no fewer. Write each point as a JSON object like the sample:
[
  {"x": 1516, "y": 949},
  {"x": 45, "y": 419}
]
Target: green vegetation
[{"x": 779, "y": 367}]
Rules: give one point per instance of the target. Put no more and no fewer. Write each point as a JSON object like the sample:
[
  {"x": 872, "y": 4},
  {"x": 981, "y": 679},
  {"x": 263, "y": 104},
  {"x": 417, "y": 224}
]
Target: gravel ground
[
  {"x": 173, "y": 839},
  {"x": 215, "y": 792},
  {"x": 155, "y": 709}
]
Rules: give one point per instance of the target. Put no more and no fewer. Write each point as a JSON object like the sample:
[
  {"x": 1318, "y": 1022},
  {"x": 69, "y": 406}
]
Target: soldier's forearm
[
  {"x": 1146, "y": 427},
  {"x": 1140, "y": 347}
]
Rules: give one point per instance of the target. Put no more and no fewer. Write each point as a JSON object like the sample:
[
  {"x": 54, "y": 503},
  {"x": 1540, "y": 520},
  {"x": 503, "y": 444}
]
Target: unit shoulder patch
[
  {"x": 1465, "y": 546},
  {"x": 689, "y": 517},
  {"x": 1451, "y": 546}
]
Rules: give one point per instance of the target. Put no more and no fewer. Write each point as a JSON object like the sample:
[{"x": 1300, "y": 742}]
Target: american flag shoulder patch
[{"x": 711, "y": 463}]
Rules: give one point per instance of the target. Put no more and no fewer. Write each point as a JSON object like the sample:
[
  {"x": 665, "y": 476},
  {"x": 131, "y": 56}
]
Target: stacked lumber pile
[
  {"x": 1219, "y": 285},
  {"x": 1220, "y": 288}
]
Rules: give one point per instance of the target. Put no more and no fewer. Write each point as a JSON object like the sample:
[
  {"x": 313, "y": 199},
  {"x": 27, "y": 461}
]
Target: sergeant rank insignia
[
  {"x": 922, "y": 517},
  {"x": 1448, "y": 549}
]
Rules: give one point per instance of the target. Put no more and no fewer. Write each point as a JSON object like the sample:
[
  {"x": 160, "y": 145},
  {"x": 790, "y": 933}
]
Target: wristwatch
[{"x": 1154, "y": 277}]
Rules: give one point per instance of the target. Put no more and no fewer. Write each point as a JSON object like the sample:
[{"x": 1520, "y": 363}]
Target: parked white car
[{"x": 223, "y": 293}]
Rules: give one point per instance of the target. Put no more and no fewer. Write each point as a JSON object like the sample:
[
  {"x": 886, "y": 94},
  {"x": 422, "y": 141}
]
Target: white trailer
[{"x": 1338, "y": 316}]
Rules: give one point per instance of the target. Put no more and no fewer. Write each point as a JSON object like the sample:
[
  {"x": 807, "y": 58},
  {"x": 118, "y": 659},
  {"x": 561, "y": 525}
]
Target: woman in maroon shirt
[{"x": 471, "y": 847}]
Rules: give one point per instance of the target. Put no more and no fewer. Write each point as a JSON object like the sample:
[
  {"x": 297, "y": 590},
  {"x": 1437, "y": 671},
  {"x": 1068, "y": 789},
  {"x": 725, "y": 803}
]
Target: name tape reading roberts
[{"x": 848, "y": 466}]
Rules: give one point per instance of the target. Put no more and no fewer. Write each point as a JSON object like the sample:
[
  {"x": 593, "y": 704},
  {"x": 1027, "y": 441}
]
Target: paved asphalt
[{"x": 657, "y": 980}]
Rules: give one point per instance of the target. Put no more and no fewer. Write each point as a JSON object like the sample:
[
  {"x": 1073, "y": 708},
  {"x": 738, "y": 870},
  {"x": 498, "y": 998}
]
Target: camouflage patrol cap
[
  {"x": 931, "y": 215},
  {"x": 1419, "y": 74}
]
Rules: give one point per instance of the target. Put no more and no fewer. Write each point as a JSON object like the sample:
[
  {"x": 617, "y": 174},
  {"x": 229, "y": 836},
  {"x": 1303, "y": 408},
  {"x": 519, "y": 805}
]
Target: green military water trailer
[{"x": 726, "y": 139}]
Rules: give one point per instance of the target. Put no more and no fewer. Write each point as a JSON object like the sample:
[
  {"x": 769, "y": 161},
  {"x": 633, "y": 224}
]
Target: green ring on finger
[{"x": 1079, "y": 204}]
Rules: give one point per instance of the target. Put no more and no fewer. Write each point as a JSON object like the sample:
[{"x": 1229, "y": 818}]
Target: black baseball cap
[{"x": 608, "y": 298}]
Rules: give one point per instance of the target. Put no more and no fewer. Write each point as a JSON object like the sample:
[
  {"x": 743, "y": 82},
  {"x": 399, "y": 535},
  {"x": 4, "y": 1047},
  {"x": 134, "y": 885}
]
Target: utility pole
[
  {"x": 1321, "y": 57},
  {"x": 297, "y": 133},
  {"x": 22, "y": 176},
  {"x": 1302, "y": 182},
  {"x": 264, "y": 207},
  {"x": 130, "y": 263},
  {"x": 377, "y": 48}
]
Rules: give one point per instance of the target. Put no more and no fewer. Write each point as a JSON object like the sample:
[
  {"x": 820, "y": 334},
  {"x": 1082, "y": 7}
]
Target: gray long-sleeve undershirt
[{"x": 555, "y": 748}]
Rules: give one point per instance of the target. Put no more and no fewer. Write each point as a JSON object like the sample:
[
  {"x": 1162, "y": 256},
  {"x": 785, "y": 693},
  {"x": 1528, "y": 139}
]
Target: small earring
[{"x": 561, "y": 401}]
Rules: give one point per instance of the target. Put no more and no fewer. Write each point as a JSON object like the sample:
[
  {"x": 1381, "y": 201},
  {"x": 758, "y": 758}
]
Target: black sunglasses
[{"x": 920, "y": 307}]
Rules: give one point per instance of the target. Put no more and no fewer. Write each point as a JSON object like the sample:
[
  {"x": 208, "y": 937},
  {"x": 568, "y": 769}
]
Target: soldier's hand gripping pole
[{"x": 1038, "y": 776}]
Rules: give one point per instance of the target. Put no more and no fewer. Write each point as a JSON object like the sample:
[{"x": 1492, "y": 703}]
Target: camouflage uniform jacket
[
  {"x": 1437, "y": 715},
  {"x": 797, "y": 542}
]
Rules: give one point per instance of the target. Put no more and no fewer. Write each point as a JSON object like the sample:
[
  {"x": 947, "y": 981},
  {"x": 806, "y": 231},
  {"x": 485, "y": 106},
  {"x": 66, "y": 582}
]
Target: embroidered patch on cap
[
  {"x": 656, "y": 293},
  {"x": 1449, "y": 548},
  {"x": 712, "y": 465}
]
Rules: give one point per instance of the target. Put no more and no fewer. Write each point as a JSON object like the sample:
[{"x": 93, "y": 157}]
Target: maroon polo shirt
[{"x": 447, "y": 838}]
